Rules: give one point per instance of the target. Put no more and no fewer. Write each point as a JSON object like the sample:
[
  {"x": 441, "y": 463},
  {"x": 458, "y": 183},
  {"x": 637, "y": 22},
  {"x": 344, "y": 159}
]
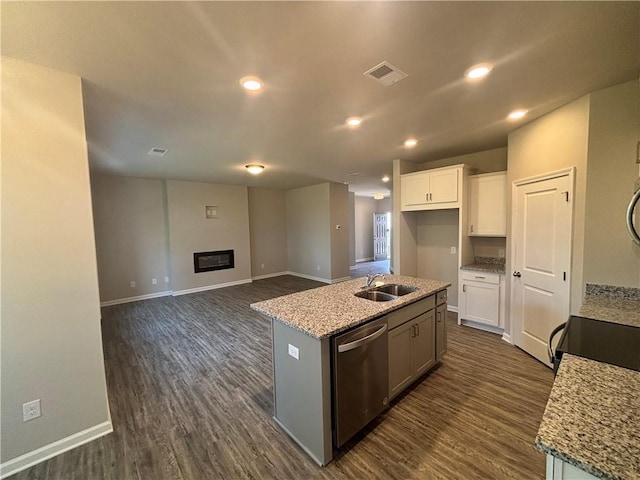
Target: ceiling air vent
[
  {"x": 157, "y": 152},
  {"x": 385, "y": 73}
]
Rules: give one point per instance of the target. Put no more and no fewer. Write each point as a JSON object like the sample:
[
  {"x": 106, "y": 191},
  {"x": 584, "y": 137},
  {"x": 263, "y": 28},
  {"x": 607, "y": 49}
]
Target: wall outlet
[
  {"x": 262, "y": 266},
  {"x": 453, "y": 250},
  {"x": 318, "y": 267},
  {"x": 31, "y": 410},
  {"x": 133, "y": 284},
  {"x": 501, "y": 253},
  {"x": 294, "y": 352},
  {"x": 166, "y": 279},
  {"x": 154, "y": 281}
]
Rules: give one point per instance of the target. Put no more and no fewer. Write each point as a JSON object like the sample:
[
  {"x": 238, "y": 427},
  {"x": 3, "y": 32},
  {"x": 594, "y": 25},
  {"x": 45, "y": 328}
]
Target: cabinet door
[
  {"x": 424, "y": 342},
  {"x": 481, "y": 302},
  {"x": 441, "y": 331},
  {"x": 443, "y": 186},
  {"x": 415, "y": 189},
  {"x": 488, "y": 205},
  {"x": 400, "y": 367}
]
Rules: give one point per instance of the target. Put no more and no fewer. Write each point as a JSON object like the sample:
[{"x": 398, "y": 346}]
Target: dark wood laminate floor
[{"x": 189, "y": 382}]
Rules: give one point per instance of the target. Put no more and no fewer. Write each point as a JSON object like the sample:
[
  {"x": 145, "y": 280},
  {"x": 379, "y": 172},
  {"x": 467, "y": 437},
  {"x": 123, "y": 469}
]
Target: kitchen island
[
  {"x": 590, "y": 427},
  {"x": 303, "y": 325}
]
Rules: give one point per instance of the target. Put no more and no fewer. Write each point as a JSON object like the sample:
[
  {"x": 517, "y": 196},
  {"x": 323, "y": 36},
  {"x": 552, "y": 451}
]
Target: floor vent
[{"x": 385, "y": 73}]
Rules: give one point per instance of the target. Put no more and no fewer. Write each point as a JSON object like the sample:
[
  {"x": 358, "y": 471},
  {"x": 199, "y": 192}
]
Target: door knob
[{"x": 517, "y": 274}]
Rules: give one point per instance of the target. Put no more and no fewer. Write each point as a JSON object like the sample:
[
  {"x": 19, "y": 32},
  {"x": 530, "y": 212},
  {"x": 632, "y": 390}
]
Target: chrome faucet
[{"x": 370, "y": 278}]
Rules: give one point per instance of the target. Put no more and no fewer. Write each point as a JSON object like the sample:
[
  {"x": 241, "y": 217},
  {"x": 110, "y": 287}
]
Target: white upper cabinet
[
  {"x": 431, "y": 189},
  {"x": 488, "y": 205}
]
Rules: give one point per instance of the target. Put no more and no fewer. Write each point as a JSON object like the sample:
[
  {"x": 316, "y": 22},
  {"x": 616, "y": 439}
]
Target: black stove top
[{"x": 608, "y": 342}]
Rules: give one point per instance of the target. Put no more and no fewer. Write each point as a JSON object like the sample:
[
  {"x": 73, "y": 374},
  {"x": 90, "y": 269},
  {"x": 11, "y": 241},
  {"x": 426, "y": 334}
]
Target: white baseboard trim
[
  {"x": 507, "y": 338},
  {"x": 452, "y": 308},
  {"x": 53, "y": 449},
  {"x": 309, "y": 277},
  {"x": 269, "y": 275},
  {"x": 118, "y": 301},
  {"x": 366, "y": 259},
  {"x": 338, "y": 280},
  {"x": 210, "y": 287}
]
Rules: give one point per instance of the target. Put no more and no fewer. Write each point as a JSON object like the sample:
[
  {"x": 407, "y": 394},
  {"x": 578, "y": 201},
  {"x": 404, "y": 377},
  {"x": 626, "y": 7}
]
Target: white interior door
[
  {"x": 380, "y": 236},
  {"x": 541, "y": 252}
]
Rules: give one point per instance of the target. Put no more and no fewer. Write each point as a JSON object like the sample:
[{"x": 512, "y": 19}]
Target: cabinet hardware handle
[
  {"x": 417, "y": 330},
  {"x": 464, "y": 288},
  {"x": 413, "y": 330},
  {"x": 471, "y": 228},
  {"x": 426, "y": 197},
  {"x": 431, "y": 197},
  {"x": 478, "y": 276}
]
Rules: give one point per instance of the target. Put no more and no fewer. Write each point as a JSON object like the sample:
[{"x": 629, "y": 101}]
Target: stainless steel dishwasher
[{"x": 360, "y": 378}]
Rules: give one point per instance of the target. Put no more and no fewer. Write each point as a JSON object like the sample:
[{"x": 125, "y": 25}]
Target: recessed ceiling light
[
  {"x": 410, "y": 142},
  {"x": 254, "y": 168},
  {"x": 517, "y": 114},
  {"x": 251, "y": 83},
  {"x": 378, "y": 196},
  {"x": 354, "y": 121},
  {"x": 478, "y": 71},
  {"x": 385, "y": 178}
]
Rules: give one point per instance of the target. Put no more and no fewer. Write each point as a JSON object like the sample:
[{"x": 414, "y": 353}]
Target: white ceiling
[{"x": 165, "y": 74}]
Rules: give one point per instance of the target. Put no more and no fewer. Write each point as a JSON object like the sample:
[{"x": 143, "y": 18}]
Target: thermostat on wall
[{"x": 212, "y": 212}]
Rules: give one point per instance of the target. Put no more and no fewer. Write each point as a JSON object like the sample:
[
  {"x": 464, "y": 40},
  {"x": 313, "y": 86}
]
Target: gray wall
[
  {"x": 51, "y": 341},
  {"x": 352, "y": 230},
  {"x": 308, "y": 235},
  {"x": 550, "y": 143},
  {"x": 437, "y": 232},
  {"x": 268, "y": 231},
  {"x": 131, "y": 237},
  {"x": 339, "y": 216},
  {"x": 610, "y": 257},
  {"x": 190, "y": 231},
  {"x": 494, "y": 160}
]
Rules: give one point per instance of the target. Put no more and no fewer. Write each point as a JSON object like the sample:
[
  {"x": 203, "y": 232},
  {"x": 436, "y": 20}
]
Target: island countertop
[
  {"x": 592, "y": 416},
  {"x": 324, "y": 311}
]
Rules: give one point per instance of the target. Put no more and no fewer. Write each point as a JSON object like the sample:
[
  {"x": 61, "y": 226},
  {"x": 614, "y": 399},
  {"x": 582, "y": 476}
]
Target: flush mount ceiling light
[
  {"x": 517, "y": 114},
  {"x": 354, "y": 121},
  {"x": 385, "y": 178},
  {"x": 251, "y": 83},
  {"x": 480, "y": 70},
  {"x": 254, "y": 168},
  {"x": 410, "y": 142},
  {"x": 378, "y": 196}
]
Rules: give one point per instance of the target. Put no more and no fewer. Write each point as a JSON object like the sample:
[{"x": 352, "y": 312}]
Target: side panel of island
[{"x": 302, "y": 389}]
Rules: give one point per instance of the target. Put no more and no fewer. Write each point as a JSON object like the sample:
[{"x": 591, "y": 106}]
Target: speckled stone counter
[
  {"x": 613, "y": 304},
  {"x": 325, "y": 311},
  {"x": 592, "y": 418},
  {"x": 486, "y": 264}
]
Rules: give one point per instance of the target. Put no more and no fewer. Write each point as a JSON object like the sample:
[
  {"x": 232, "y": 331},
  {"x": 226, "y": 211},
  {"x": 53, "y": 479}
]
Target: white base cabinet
[
  {"x": 560, "y": 470},
  {"x": 481, "y": 298}
]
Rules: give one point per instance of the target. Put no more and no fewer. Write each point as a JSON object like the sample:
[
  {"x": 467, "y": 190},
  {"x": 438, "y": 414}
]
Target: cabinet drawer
[
  {"x": 441, "y": 297},
  {"x": 474, "y": 276},
  {"x": 404, "y": 314}
]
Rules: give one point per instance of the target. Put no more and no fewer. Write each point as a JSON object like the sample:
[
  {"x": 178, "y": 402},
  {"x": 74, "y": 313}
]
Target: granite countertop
[
  {"x": 486, "y": 264},
  {"x": 325, "y": 311},
  {"x": 592, "y": 417}
]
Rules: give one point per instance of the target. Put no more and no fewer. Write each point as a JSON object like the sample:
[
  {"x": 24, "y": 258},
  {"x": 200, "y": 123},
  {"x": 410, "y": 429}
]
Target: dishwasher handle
[{"x": 345, "y": 347}]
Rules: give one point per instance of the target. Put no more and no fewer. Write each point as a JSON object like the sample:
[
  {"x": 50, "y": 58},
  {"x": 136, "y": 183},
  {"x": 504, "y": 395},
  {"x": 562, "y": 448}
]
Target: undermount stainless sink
[
  {"x": 395, "y": 289},
  {"x": 375, "y": 296},
  {"x": 385, "y": 293}
]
